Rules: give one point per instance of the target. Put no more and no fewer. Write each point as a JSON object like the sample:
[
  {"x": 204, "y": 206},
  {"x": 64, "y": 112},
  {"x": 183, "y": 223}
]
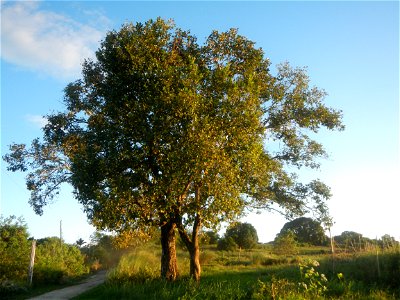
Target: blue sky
[{"x": 351, "y": 50}]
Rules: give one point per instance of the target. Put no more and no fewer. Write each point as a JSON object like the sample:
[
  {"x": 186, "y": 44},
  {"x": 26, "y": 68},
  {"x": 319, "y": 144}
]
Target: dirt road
[{"x": 75, "y": 290}]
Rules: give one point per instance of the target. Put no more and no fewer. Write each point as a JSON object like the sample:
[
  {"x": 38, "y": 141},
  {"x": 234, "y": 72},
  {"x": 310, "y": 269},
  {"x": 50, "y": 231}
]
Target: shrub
[
  {"x": 227, "y": 244},
  {"x": 312, "y": 282},
  {"x": 9, "y": 288},
  {"x": 285, "y": 244},
  {"x": 57, "y": 261},
  {"x": 14, "y": 250},
  {"x": 274, "y": 289}
]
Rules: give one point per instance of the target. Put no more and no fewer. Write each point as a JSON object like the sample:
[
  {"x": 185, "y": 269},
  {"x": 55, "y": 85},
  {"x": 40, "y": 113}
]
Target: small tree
[
  {"x": 80, "y": 242},
  {"x": 244, "y": 235},
  {"x": 285, "y": 244}
]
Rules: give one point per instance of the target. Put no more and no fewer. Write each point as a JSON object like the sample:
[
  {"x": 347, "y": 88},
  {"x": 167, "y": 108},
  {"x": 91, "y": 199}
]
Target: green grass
[{"x": 255, "y": 274}]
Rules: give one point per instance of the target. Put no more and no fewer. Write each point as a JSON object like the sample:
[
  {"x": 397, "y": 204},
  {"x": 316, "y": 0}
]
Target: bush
[
  {"x": 275, "y": 289},
  {"x": 9, "y": 288},
  {"x": 285, "y": 244},
  {"x": 227, "y": 244},
  {"x": 56, "y": 262},
  {"x": 14, "y": 250}
]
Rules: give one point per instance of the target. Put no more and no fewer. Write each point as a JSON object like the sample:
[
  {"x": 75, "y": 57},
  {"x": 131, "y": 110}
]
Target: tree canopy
[
  {"x": 244, "y": 235},
  {"x": 306, "y": 230},
  {"x": 163, "y": 131}
]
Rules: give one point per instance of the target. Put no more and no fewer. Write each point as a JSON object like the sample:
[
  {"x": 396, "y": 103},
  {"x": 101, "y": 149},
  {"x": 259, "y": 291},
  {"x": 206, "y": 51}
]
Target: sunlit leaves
[{"x": 161, "y": 128}]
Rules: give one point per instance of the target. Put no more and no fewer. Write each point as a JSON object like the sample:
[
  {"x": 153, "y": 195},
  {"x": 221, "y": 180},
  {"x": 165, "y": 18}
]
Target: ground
[{"x": 75, "y": 290}]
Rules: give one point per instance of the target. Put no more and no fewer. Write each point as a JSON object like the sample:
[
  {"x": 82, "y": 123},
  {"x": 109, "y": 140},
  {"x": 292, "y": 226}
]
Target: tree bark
[
  {"x": 192, "y": 245},
  {"x": 195, "y": 269},
  {"x": 169, "y": 268}
]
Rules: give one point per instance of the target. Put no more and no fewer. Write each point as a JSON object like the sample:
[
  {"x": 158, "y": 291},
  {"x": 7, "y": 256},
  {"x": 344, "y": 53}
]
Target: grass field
[{"x": 257, "y": 274}]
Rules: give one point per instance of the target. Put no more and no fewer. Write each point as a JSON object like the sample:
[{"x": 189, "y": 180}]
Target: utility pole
[{"x": 61, "y": 234}]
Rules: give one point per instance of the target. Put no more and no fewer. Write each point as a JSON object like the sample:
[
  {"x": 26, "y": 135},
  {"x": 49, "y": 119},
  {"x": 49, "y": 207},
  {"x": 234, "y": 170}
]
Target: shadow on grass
[{"x": 235, "y": 283}]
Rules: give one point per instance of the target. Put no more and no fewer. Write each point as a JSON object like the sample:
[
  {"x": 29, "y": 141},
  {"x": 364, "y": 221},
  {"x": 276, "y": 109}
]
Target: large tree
[{"x": 161, "y": 131}]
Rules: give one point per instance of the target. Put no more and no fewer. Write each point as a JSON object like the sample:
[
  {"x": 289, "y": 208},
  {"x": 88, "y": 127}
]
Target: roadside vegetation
[
  {"x": 57, "y": 264},
  {"x": 259, "y": 273},
  {"x": 286, "y": 268}
]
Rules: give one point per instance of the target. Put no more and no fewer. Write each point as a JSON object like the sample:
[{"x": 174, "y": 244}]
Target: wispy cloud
[
  {"x": 36, "y": 120},
  {"x": 46, "y": 41}
]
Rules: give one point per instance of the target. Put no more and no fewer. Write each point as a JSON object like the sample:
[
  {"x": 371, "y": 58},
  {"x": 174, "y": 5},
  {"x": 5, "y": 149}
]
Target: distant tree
[
  {"x": 388, "y": 241},
  {"x": 306, "y": 230},
  {"x": 244, "y": 235},
  {"x": 227, "y": 244},
  {"x": 209, "y": 237},
  {"x": 162, "y": 131},
  {"x": 14, "y": 249},
  {"x": 348, "y": 238},
  {"x": 285, "y": 244},
  {"x": 80, "y": 242}
]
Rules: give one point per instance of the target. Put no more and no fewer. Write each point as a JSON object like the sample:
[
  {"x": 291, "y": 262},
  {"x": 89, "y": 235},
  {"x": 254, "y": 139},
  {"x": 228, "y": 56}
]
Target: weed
[{"x": 312, "y": 281}]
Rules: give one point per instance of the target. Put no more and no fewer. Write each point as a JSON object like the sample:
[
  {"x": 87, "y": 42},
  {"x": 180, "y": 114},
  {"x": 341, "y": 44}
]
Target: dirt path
[{"x": 75, "y": 290}]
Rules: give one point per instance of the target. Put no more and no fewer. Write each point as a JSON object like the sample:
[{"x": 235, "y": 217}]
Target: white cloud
[
  {"x": 37, "y": 121},
  {"x": 45, "y": 41}
]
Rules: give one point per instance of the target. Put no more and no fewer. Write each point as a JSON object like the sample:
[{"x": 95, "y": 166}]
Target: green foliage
[
  {"x": 348, "y": 238},
  {"x": 306, "y": 230},
  {"x": 285, "y": 244},
  {"x": 227, "y": 244},
  {"x": 244, "y": 235},
  {"x": 388, "y": 242},
  {"x": 162, "y": 130},
  {"x": 102, "y": 252},
  {"x": 274, "y": 289},
  {"x": 136, "y": 139},
  {"x": 14, "y": 249},
  {"x": 209, "y": 238},
  {"x": 56, "y": 262},
  {"x": 312, "y": 282},
  {"x": 223, "y": 279}
]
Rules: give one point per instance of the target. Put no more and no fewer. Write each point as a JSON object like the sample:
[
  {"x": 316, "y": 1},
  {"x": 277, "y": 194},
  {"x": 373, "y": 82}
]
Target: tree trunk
[
  {"x": 192, "y": 244},
  {"x": 169, "y": 268},
  {"x": 195, "y": 269}
]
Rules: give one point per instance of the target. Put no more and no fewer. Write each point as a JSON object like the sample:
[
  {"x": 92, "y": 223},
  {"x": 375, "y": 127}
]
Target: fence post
[
  {"x": 32, "y": 262},
  {"x": 377, "y": 258},
  {"x": 332, "y": 250}
]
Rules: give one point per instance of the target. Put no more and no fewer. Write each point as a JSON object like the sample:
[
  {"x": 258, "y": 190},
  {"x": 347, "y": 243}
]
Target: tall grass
[{"x": 255, "y": 274}]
